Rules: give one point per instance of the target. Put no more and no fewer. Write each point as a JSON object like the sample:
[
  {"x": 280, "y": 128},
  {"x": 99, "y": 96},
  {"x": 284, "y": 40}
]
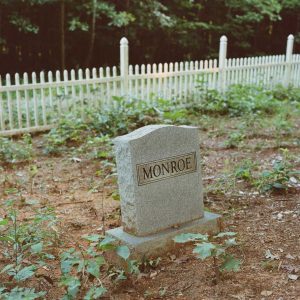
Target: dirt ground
[{"x": 265, "y": 223}]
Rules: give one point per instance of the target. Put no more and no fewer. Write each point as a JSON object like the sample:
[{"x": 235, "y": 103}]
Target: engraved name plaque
[{"x": 166, "y": 168}]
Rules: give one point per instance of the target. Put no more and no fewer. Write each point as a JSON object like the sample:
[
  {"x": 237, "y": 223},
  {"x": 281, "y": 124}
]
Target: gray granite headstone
[{"x": 159, "y": 177}]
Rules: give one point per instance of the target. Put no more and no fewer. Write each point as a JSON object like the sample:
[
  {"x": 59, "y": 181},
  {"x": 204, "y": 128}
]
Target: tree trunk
[
  {"x": 62, "y": 35},
  {"x": 93, "y": 34}
]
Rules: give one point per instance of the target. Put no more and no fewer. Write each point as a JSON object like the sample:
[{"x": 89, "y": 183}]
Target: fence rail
[{"x": 35, "y": 103}]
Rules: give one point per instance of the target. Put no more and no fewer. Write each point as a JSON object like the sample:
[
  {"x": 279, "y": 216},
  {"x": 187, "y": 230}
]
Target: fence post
[
  {"x": 124, "y": 60},
  {"x": 288, "y": 60},
  {"x": 222, "y": 63}
]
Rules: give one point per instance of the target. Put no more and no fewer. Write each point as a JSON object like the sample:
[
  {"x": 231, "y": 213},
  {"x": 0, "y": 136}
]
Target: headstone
[{"x": 160, "y": 184}]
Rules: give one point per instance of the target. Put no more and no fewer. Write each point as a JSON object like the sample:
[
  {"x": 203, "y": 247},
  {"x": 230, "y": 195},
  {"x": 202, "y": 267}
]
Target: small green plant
[
  {"x": 14, "y": 152},
  {"x": 18, "y": 293},
  {"x": 23, "y": 241},
  {"x": 81, "y": 269},
  {"x": 234, "y": 139},
  {"x": 215, "y": 247},
  {"x": 281, "y": 176},
  {"x": 244, "y": 170}
]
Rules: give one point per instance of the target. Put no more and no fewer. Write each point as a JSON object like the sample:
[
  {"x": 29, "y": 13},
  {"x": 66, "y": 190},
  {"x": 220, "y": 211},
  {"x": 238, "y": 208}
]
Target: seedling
[
  {"x": 215, "y": 247},
  {"x": 78, "y": 268},
  {"x": 281, "y": 177},
  {"x": 25, "y": 241}
]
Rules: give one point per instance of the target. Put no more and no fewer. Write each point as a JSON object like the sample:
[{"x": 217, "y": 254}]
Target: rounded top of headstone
[
  {"x": 149, "y": 129},
  {"x": 290, "y": 37}
]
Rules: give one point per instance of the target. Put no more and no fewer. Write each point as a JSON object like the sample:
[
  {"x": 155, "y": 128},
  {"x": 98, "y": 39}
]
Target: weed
[
  {"x": 12, "y": 152},
  {"x": 23, "y": 242},
  {"x": 234, "y": 139},
  {"x": 215, "y": 247},
  {"x": 81, "y": 269},
  {"x": 244, "y": 170},
  {"x": 281, "y": 176}
]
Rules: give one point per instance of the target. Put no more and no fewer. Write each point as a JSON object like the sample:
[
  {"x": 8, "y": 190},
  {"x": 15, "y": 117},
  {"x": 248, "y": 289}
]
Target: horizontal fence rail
[{"x": 36, "y": 102}]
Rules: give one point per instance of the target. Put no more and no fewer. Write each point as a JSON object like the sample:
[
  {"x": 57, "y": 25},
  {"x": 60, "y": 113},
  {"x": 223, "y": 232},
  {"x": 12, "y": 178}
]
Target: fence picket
[
  {"x": 160, "y": 71},
  {"x": 165, "y": 81},
  {"x": 66, "y": 89},
  {"x": 80, "y": 78},
  {"x": 18, "y": 97},
  {"x": 50, "y": 80},
  {"x": 28, "y": 123},
  {"x": 94, "y": 76},
  {"x": 73, "y": 88},
  {"x": 191, "y": 79},
  {"x": 114, "y": 74},
  {"x": 143, "y": 70},
  {"x": 9, "y": 103},
  {"x": 2, "y": 123},
  {"x": 176, "y": 88},
  {"x": 108, "y": 86},
  {"x": 169, "y": 91},
  {"x": 154, "y": 83},
  {"x": 87, "y": 86},
  {"x": 35, "y": 103},
  {"x": 136, "y": 82},
  {"x": 130, "y": 83},
  {"x": 42, "y": 81},
  {"x": 148, "y": 83},
  {"x": 181, "y": 74},
  {"x": 59, "y": 95},
  {"x": 101, "y": 86}
]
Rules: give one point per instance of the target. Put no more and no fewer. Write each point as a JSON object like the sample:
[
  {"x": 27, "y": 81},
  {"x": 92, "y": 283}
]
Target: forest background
[{"x": 38, "y": 35}]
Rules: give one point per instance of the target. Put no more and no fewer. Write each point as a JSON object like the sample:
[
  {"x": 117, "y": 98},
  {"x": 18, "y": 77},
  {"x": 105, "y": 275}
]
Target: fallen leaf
[
  {"x": 279, "y": 216},
  {"x": 270, "y": 255},
  {"x": 293, "y": 276},
  {"x": 76, "y": 159},
  {"x": 153, "y": 274},
  {"x": 173, "y": 257},
  {"x": 266, "y": 293},
  {"x": 182, "y": 259}
]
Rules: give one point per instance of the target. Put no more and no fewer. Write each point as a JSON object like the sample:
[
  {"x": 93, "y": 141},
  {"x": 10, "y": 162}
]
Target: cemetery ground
[{"x": 61, "y": 188}]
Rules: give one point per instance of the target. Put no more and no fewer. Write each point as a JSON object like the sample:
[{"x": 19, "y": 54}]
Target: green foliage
[
  {"x": 20, "y": 294},
  {"x": 189, "y": 237},
  {"x": 14, "y": 152},
  {"x": 244, "y": 100},
  {"x": 281, "y": 176},
  {"x": 24, "y": 241},
  {"x": 97, "y": 126},
  {"x": 94, "y": 130},
  {"x": 244, "y": 170},
  {"x": 215, "y": 247},
  {"x": 78, "y": 267},
  {"x": 69, "y": 130},
  {"x": 234, "y": 139}
]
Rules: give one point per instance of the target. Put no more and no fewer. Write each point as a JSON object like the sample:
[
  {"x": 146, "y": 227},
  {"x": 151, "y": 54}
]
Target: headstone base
[{"x": 160, "y": 243}]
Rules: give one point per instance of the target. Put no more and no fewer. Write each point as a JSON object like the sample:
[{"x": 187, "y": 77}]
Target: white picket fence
[{"x": 36, "y": 103}]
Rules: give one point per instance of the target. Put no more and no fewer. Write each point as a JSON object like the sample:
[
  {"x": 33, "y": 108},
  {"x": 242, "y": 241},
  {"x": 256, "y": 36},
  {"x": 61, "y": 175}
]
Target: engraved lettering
[
  {"x": 149, "y": 175},
  {"x": 169, "y": 167},
  {"x": 188, "y": 162},
  {"x": 182, "y": 164},
  {"x": 165, "y": 168},
  {"x": 173, "y": 165},
  {"x": 156, "y": 170}
]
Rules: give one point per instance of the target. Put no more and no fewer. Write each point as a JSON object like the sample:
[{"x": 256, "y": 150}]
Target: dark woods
[{"x": 46, "y": 35}]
